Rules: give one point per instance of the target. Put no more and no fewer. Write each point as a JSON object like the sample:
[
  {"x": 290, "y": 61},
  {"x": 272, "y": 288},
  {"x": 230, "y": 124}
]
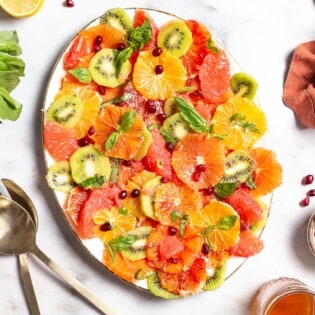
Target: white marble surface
[{"x": 261, "y": 35}]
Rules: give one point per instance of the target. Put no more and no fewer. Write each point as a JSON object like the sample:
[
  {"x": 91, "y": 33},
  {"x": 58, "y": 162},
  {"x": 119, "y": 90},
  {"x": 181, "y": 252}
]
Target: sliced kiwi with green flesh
[
  {"x": 175, "y": 37},
  {"x": 217, "y": 278},
  {"x": 103, "y": 70},
  {"x": 59, "y": 177},
  {"x": 239, "y": 165},
  {"x": 155, "y": 287},
  {"x": 244, "y": 85},
  {"x": 66, "y": 110},
  {"x": 171, "y": 108},
  {"x": 176, "y": 127},
  {"x": 136, "y": 251},
  {"x": 89, "y": 167},
  {"x": 147, "y": 196},
  {"x": 147, "y": 140},
  {"x": 117, "y": 18}
]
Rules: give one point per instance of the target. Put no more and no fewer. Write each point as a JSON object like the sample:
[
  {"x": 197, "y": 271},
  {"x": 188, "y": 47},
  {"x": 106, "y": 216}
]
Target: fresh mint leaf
[
  {"x": 227, "y": 222},
  {"x": 175, "y": 216},
  {"x": 126, "y": 121},
  {"x": 194, "y": 119},
  {"x": 111, "y": 140},
  {"x": 223, "y": 190},
  {"x": 140, "y": 35},
  {"x": 117, "y": 100},
  {"x": 121, "y": 57},
  {"x": 121, "y": 243},
  {"x": 93, "y": 182},
  {"x": 10, "y": 109},
  {"x": 83, "y": 75},
  {"x": 240, "y": 120}
]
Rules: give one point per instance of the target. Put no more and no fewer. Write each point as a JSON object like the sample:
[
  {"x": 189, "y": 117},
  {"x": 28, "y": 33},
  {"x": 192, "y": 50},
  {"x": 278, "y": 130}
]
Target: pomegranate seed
[
  {"x": 101, "y": 89},
  {"x": 84, "y": 141},
  {"x": 311, "y": 193},
  {"x": 127, "y": 162},
  {"x": 135, "y": 193},
  {"x": 157, "y": 51},
  {"x": 123, "y": 194},
  {"x": 308, "y": 179},
  {"x": 158, "y": 69},
  {"x": 205, "y": 249},
  {"x": 196, "y": 176},
  {"x": 120, "y": 46},
  {"x": 305, "y": 202},
  {"x": 106, "y": 227},
  {"x": 243, "y": 226},
  {"x": 201, "y": 168},
  {"x": 170, "y": 146},
  {"x": 172, "y": 230},
  {"x": 174, "y": 260},
  {"x": 161, "y": 117},
  {"x": 91, "y": 131},
  {"x": 97, "y": 48},
  {"x": 164, "y": 180},
  {"x": 207, "y": 191},
  {"x": 150, "y": 106},
  {"x": 69, "y": 3},
  {"x": 98, "y": 40}
]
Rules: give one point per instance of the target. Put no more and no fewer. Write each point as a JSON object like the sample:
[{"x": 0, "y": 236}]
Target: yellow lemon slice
[{"x": 21, "y": 8}]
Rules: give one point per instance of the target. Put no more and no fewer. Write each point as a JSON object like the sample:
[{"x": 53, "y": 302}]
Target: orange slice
[
  {"x": 220, "y": 224},
  {"x": 267, "y": 173},
  {"x": 196, "y": 149},
  {"x": 172, "y": 202},
  {"x": 153, "y": 85},
  {"x": 128, "y": 142},
  {"x": 20, "y": 9},
  {"x": 240, "y": 121}
]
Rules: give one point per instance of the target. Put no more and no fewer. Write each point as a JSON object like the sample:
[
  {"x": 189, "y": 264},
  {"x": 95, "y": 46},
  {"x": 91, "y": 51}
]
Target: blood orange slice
[
  {"x": 158, "y": 77},
  {"x": 195, "y": 150}
]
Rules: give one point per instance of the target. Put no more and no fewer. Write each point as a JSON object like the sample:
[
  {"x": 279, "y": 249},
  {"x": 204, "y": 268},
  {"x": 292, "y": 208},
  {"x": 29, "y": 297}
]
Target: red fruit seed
[
  {"x": 308, "y": 179},
  {"x": 305, "y": 202},
  {"x": 311, "y": 193}
]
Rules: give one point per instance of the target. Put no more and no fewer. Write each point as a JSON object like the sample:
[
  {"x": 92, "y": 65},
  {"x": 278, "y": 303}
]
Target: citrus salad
[{"x": 153, "y": 139}]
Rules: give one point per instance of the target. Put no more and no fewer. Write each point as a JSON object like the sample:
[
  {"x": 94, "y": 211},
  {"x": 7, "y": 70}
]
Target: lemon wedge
[{"x": 21, "y": 8}]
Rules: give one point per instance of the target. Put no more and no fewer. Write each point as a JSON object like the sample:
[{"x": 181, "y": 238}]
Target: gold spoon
[
  {"x": 18, "y": 235},
  {"x": 13, "y": 191}
]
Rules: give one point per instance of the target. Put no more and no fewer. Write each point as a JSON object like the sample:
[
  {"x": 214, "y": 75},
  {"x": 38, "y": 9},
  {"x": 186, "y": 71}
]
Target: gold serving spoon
[
  {"x": 11, "y": 190},
  {"x": 18, "y": 236}
]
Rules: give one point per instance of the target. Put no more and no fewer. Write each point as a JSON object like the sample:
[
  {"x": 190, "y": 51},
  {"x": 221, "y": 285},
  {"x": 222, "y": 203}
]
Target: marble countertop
[{"x": 261, "y": 35}]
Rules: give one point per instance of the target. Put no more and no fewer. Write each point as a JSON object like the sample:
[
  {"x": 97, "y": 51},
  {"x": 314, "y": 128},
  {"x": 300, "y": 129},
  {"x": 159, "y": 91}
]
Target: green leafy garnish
[
  {"x": 136, "y": 39},
  {"x": 83, "y": 75},
  {"x": 9, "y": 43},
  {"x": 123, "y": 210},
  {"x": 125, "y": 123},
  {"x": 210, "y": 45},
  {"x": 227, "y": 222},
  {"x": 93, "y": 182},
  {"x": 223, "y": 190},
  {"x": 114, "y": 174},
  {"x": 117, "y": 100},
  {"x": 9, "y": 108},
  {"x": 240, "y": 120},
  {"x": 120, "y": 243},
  {"x": 182, "y": 218}
]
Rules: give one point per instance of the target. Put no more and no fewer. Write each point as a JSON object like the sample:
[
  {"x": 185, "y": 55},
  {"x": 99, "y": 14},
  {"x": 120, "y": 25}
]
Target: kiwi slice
[
  {"x": 217, "y": 278},
  {"x": 89, "y": 167},
  {"x": 117, "y": 18},
  {"x": 103, "y": 70},
  {"x": 244, "y": 85},
  {"x": 147, "y": 195},
  {"x": 155, "y": 287},
  {"x": 66, "y": 111},
  {"x": 238, "y": 167},
  {"x": 147, "y": 140},
  {"x": 59, "y": 177},
  {"x": 136, "y": 251},
  {"x": 175, "y": 37},
  {"x": 170, "y": 107},
  {"x": 176, "y": 127}
]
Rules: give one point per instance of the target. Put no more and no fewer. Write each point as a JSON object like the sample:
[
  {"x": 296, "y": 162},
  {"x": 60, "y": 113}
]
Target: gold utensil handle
[
  {"x": 28, "y": 286},
  {"x": 74, "y": 283}
]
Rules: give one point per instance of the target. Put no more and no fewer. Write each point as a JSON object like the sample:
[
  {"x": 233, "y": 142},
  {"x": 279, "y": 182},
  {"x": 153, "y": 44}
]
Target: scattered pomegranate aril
[
  {"x": 196, "y": 176},
  {"x": 123, "y": 194},
  {"x": 308, "y": 179},
  {"x": 305, "y": 202},
  {"x": 161, "y": 117},
  {"x": 207, "y": 191},
  {"x": 101, "y": 89},
  {"x": 84, "y": 141},
  {"x": 120, "y": 46},
  {"x": 135, "y": 193},
  {"x": 69, "y": 3},
  {"x": 172, "y": 230},
  {"x": 157, "y": 51},
  {"x": 201, "y": 168},
  {"x": 311, "y": 193},
  {"x": 170, "y": 146},
  {"x": 91, "y": 131},
  {"x": 158, "y": 69},
  {"x": 127, "y": 163},
  {"x": 150, "y": 106},
  {"x": 98, "y": 40},
  {"x": 205, "y": 249},
  {"x": 174, "y": 260},
  {"x": 106, "y": 227},
  {"x": 97, "y": 48},
  {"x": 164, "y": 180}
]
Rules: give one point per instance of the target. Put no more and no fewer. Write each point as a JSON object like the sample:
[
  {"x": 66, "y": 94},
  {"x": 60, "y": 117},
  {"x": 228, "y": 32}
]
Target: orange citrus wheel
[
  {"x": 196, "y": 149},
  {"x": 171, "y": 202},
  {"x": 240, "y": 121},
  {"x": 267, "y": 173},
  {"x": 173, "y": 253},
  {"x": 220, "y": 224},
  {"x": 128, "y": 142},
  {"x": 112, "y": 222},
  {"x": 124, "y": 268},
  {"x": 154, "y": 85},
  {"x": 20, "y": 9}
]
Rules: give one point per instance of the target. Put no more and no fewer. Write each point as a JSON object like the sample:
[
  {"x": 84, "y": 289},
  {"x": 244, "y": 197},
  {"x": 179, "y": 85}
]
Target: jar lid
[{"x": 311, "y": 233}]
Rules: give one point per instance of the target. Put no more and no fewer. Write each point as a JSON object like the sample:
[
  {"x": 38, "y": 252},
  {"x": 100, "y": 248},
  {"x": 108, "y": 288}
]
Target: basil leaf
[
  {"x": 93, "y": 182},
  {"x": 223, "y": 190},
  {"x": 240, "y": 120},
  {"x": 140, "y": 35},
  {"x": 9, "y": 108},
  {"x": 111, "y": 140},
  {"x": 121, "y": 243},
  {"x": 117, "y": 100},
  {"x": 227, "y": 222},
  {"x": 121, "y": 57},
  {"x": 127, "y": 120},
  {"x": 81, "y": 74},
  {"x": 195, "y": 120}
]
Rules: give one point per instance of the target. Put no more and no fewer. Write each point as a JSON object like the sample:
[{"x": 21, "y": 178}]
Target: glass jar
[{"x": 284, "y": 296}]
